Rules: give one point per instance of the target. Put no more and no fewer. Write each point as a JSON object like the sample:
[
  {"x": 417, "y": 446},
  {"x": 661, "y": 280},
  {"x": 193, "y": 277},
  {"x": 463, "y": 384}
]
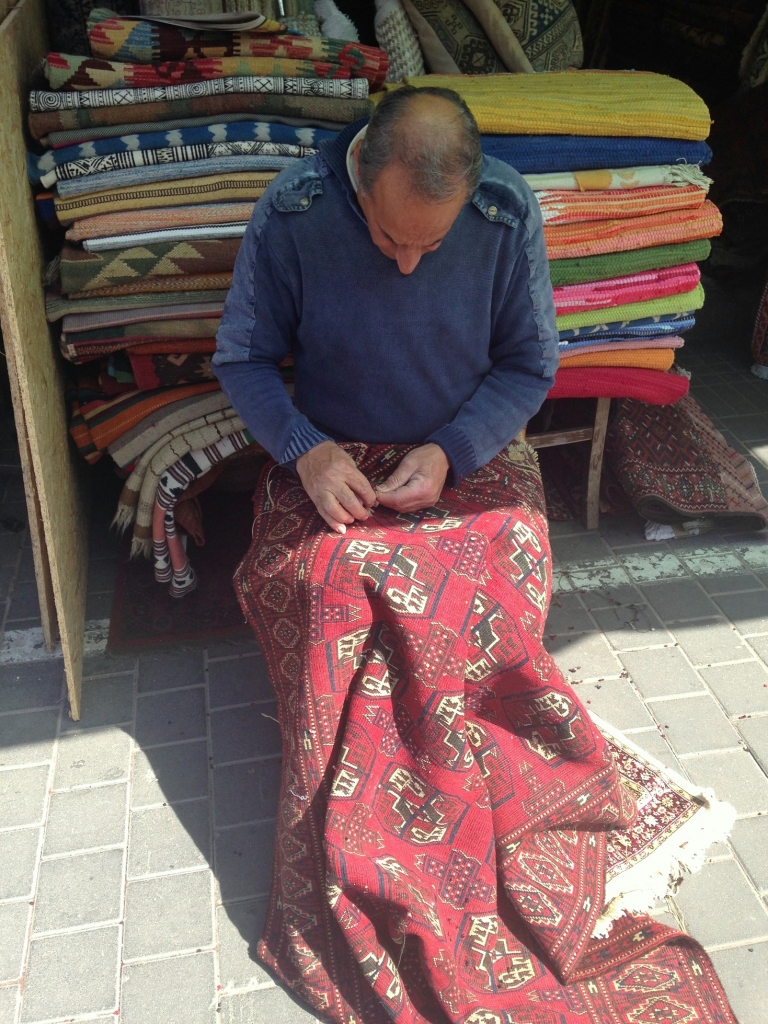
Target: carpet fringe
[
  {"x": 760, "y": 371},
  {"x": 124, "y": 517},
  {"x": 689, "y": 174},
  {"x": 639, "y": 889},
  {"x": 141, "y": 547}
]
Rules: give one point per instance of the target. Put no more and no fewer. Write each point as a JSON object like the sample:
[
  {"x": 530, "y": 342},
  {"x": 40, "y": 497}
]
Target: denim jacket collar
[{"x": 494, "y": 197}]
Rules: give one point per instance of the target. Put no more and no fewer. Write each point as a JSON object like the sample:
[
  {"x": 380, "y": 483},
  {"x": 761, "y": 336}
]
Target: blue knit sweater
[{"x": 461, "y": 352}]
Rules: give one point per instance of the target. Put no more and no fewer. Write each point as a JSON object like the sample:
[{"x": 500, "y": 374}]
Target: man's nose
[{"x": 407, "y": 259}]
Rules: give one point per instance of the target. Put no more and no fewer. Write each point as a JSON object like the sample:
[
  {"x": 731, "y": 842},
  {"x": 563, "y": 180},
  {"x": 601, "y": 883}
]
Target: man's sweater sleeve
[
  {"x": 259, "y": 322},
  {"x": 524, "y": 352}
]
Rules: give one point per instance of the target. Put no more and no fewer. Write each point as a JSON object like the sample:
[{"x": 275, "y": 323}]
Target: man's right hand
[{"x": 332, "y": 480}]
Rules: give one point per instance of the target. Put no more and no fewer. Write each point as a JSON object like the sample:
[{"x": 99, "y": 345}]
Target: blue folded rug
[
  {"x": 542, "y": 154},
  {"x": 628, "y": 330}
]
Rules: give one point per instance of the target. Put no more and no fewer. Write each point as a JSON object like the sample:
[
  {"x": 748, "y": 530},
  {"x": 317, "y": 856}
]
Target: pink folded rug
[{"x": 617, "y": 291}]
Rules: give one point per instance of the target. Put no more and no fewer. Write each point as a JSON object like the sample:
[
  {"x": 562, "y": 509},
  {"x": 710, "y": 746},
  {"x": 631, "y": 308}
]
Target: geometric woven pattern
[
  {"x": 462, "y": 36},
  {"x": 81, "y": 270},
  {"x": 676, "y": 466},
  {"x": 142, "y": 42},
  {"x": 445, "y": 798},
  {"x": 65, "y": 71},
  {"x": 548, "y": 31}
]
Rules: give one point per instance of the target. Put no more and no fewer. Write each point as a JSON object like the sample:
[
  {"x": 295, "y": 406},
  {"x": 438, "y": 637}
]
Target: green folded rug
[{"x": 621, "y": 264}]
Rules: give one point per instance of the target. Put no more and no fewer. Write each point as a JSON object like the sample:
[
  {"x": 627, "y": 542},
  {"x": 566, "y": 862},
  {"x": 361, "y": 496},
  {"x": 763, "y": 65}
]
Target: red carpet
[{"x": 447, "y": 804}]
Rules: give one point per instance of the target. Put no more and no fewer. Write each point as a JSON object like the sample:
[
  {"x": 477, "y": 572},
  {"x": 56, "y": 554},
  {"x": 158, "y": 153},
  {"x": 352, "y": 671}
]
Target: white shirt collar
[{"x": 351, "y": 171}]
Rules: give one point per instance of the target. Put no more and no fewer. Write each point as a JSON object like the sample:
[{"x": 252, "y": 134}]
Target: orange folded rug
[
  {"x": 567, "y": 241},
  {"x": 565, "y": 207},
  {"x": 102, "y": 225},
  {"x": 646, "y": 359},
  {"x": 96, "y": 424}
]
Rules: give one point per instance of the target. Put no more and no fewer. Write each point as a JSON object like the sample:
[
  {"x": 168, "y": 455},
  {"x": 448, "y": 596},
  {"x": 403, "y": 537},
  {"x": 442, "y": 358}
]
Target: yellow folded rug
[
  {"x": 629, "y": 103},
  {"x": 643, "y": 358}
]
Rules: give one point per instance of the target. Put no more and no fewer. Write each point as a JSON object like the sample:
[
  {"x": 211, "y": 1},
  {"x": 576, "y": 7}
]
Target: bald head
[{"x": 431, "y": 135}]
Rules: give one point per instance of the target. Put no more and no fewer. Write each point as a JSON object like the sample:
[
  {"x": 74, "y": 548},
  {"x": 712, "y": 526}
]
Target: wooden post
[
  {"x": 592, "y": 495},
  {"x": 57, "y": 522}
]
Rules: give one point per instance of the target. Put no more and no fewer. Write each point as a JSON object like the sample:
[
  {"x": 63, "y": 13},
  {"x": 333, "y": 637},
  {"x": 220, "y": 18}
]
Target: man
[
  {"x": 442, "y": 828},
  {"x": 407, "y": 275}
]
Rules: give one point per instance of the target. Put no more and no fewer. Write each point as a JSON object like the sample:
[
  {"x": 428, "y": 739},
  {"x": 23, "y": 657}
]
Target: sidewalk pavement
[{"x": 135, "y": 845}]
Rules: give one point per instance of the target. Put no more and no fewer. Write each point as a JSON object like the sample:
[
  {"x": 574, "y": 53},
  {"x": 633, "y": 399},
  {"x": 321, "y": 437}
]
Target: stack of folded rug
[
  {"x": 158, "y": 145},
  {"x": 614, "y": 159}
]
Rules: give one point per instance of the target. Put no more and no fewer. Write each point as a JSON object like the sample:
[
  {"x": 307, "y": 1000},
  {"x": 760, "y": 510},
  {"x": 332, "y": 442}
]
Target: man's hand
[
  {"x": 332, "y": 480},
  {"x": 417, "y": 482}
]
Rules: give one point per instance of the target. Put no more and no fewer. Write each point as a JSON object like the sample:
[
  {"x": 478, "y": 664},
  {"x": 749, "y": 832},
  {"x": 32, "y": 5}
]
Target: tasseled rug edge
[{"x": 640, "y": 888}]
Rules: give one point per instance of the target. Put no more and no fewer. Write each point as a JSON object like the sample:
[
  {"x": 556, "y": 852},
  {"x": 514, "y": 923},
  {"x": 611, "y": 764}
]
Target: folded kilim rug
[
  {"x": 192, "y": 329},
  {"x": 567, "y": 241},
  {"x": 570, "y": 207},
  {"x": 310, "y": 109},
  {"x": 675, "y": 466},
  {"x": 157, "y": 287},
  {"x": 355, "y": 89},
  {"x": 182, "y": 345},
  {"x": 635, "y": 261},
  {"x": 204, "y": 135},
  {"x": 170, "y": 369},
  {"x": 149, "y": 42},
  {"x": 539, "y": 154},
  {"x": 149, "y": 330},
  {"x": 91, "y": 321},
  {"x": 106, "y": 224},
  {"x": 134, "y": 444},
  {"x": 83, "y": 352},
  {"x": 67, "y": 71},
  {"x": 451, "y": 822},
  {"x": 614, "y": 103},
  {"x": 97, "y": 424},
  {"x": 168, "y": 155},
  {"x": 618, "y": 291},
  {"x": 82, "y": 271},
  {"x": 210, "y": 231},
  {"x": 56, "y": 306},
  {"x": 73, "y": 136},
  {"x": 132, "y": 177},
  {"x": 184, "y": 192}
]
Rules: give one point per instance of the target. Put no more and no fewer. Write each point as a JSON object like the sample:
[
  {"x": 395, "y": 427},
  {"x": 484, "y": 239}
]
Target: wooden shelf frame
[{"x": 57, "y": 522}]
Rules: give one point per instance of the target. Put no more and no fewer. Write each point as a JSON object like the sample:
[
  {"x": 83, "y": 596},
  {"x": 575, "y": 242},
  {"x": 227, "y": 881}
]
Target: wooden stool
[{"x": 596, "y": 435}]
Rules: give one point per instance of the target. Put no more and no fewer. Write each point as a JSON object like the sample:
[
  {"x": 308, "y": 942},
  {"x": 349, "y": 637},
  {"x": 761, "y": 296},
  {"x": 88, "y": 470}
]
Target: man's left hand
[{"x": 417, "y": 482}]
